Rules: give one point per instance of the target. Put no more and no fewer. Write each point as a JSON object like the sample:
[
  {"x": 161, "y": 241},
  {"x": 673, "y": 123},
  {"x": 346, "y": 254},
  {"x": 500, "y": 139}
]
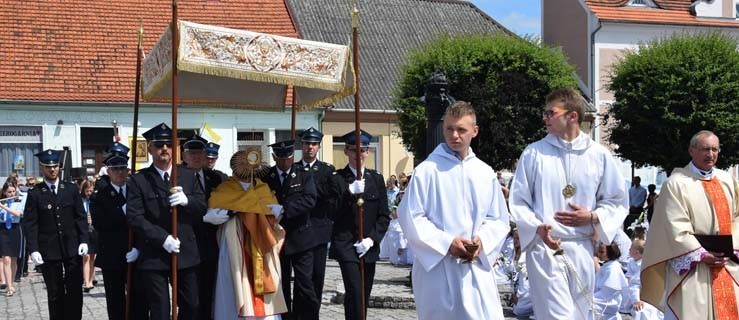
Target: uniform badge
[
  {"x": 112, "y": 193},
  {"x": 272, "y": 175},
  {"x": 315, "y": 168},
  {"x": 48, "y": 206},
  {"x": 292, "y": 175}
]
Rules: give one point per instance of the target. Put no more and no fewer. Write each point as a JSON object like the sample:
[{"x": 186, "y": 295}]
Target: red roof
[
  {"x": 81, "y": 50},
  {"x": 676, "y": 12}
]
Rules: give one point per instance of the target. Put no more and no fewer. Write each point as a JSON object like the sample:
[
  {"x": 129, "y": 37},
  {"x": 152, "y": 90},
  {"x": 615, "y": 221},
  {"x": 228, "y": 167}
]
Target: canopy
[{"x": 230, "y": 67}]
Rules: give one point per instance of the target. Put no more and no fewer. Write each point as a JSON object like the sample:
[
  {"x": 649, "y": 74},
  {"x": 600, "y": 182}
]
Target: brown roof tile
[
  {"x": 80, "y": 50},
  {"x": 675, "y": 12},
  {"x": 657, "y": 16}
]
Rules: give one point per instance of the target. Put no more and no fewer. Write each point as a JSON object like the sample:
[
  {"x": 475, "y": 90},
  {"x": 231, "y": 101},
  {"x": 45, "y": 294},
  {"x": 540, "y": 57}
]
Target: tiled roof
[
  {"x": 388, "y": 31},
  {"x": 664, "y": 4},
  {"x": 657, "y": 16},
  {"x": 675, "y": 12},
  {"x": 81, "y": 50}
]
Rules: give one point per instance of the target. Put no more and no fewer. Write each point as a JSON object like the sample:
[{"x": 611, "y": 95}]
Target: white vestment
[
  {"x": 505, "y": 267},
  {"x": 609, "y": 283},
  {"x": 523, "y": 306},
  {"x": 447, "y": 198},
  {"x": 536, "y": 194}
]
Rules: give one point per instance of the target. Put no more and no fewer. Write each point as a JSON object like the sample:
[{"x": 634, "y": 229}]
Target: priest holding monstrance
[
  {"x": 250, "y": 239},
  {"x": 689, "y": 267}
]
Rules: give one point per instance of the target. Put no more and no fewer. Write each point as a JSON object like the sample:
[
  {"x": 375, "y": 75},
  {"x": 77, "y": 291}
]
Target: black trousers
[
  {"x": 207, "y": 271},
  {"x": 114, "y": 281},
  {"x": 310, "y": 268},
  {"x": 63, "y": 280},
  {"x": 157, "y": 293},
  {"x": 352, "y": 285}
]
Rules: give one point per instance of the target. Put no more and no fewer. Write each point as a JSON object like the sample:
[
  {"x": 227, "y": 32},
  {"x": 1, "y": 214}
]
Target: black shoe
[
  {"x": 87, "y": 289},
  {"x": 25, "y": 274},
  {"x": 94, "y": 282},
  {"x": 17, "y": 279}
]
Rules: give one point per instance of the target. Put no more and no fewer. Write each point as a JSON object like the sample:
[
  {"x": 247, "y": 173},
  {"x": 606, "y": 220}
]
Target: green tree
[
  {"x": 668, "y": 90},
  {"x": 505, "y": 78}
]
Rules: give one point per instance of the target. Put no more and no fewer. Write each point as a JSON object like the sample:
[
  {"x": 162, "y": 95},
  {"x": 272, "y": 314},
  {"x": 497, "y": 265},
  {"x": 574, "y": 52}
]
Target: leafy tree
[
  {"x": 668, "y": 90},
  {"x": 505, "y": 78}
]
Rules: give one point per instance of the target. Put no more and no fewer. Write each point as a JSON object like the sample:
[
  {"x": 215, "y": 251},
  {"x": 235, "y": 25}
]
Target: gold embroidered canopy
[{"x": 229, "y": 67}]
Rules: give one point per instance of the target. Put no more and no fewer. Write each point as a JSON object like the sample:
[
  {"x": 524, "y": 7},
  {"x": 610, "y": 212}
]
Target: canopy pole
[
  {"x": 358, "y": 144},
  {"x": 175, "y": 146},
  {"x": 134, "y": 141}
]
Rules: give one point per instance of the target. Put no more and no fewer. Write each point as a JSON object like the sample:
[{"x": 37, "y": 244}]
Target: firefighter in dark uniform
[
  {"x": 295, "y": 191},
  {"x": 193, "y": 153},
  {"x": 346, "y": 248},
  {"x": 324, "y": 175},
  {"x": 150, "y": 198},
  {"x": 56, "y": 226},
  {"x": 108, "y": 208},
  {"x": 211, "y": 156}
]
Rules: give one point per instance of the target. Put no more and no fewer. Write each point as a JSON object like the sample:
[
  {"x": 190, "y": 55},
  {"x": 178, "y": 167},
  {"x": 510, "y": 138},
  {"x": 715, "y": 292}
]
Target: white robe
[
  {"x": 631, "y": 295},
  {"x": 523, "y": 307},
  {"x": 449, "y": 198},
  {"x": 536, "y": 194},
  {"x": 505, "y": 267},
  {"x": 609, "y": 283}
]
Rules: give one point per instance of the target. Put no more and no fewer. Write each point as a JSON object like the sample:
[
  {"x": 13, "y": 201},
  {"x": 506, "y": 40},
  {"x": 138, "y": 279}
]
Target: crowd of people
[{"x": 565, "y": 232}]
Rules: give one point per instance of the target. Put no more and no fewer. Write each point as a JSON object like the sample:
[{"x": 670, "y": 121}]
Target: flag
[{"x": 209, "y": 134}]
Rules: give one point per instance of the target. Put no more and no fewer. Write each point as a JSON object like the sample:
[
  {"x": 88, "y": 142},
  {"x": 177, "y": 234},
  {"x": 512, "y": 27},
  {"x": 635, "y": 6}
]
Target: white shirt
[{"x": 161, "y": 172}]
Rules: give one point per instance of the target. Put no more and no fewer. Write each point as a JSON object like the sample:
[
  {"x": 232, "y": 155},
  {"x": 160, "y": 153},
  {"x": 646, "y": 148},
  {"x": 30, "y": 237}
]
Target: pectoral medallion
[{"x": 568, "y": 191}]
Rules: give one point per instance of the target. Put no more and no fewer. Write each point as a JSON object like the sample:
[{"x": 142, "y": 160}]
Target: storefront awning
[{"x": 229, "y": 67}]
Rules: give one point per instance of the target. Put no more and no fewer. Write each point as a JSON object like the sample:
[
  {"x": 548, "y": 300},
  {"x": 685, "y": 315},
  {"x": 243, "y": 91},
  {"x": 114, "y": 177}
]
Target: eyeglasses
[
  {"x": 161, "y": 143},
  {"x": 709, "y": 149},
  {"x": 553, "y": 112}
]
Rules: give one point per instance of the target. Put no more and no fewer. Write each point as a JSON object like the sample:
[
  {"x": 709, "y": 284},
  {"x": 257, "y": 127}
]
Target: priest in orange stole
[{"x": 679, "y": 276}]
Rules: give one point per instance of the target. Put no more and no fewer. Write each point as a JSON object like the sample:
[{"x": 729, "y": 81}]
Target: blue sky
[{"x": 520, "y": 16}]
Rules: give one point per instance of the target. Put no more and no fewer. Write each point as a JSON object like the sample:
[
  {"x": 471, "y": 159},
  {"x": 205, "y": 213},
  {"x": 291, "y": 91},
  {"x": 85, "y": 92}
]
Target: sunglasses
[
  {"x": 553, "y": 112},
  {"x": 160, "y": 144}
]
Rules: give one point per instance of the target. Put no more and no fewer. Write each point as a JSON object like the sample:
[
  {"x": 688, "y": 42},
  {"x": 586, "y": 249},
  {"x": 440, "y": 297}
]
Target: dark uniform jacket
[
  {"x": 206, "y": 232},
  {"x": 150, "y": 215},
  {"x": 327, "y": 187},
  {"x": 108, "y": 218},
  {"x": 376, "y": 216},
  {"x": 55, "y": 225},
  {"x": 297, "y": 195}
]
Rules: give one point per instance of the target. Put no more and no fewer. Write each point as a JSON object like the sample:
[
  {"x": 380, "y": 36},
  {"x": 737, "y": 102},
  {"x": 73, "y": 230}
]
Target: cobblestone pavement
[{"x": 389, "y": 292}]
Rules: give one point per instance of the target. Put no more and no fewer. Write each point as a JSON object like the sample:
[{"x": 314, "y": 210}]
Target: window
[{"x": 641, "y": 3}]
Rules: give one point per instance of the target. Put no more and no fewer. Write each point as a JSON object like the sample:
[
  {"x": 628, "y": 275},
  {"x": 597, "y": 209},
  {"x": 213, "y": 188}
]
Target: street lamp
[{"x": 436, "y": 99}]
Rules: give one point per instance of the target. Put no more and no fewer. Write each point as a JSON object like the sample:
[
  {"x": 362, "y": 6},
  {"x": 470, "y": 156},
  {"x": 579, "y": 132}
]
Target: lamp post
[{"x": 436, "y": 99}]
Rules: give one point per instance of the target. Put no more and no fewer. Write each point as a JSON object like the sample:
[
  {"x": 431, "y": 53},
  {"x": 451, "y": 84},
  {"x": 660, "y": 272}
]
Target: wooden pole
[
  {"x": 294, "y": 115},
  {"x": 175, "y": 145},
  {"x": 358, "y": 145},
  {"x": 134, "y": 140}
]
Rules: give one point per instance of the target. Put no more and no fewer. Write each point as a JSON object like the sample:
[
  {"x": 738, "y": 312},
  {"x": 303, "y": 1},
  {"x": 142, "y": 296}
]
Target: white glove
[
  {"x": 363, "y": 246},
  {"x": 276, "y": 210},
  {"x": 178, "y": 198},
  {"x": 216, "y": 216},
  {"x": 82, "y": 250},
  {"x": 132, "y": 255},
  {"x": 36, "y": 258},
  {"x": 171, "y": 245},
  {"x": 357, "y": 187}
]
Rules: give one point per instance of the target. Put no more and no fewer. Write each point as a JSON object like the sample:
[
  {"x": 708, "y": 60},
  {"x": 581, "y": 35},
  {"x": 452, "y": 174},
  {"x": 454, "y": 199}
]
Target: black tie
[
  {"x": 166, "y": 178},
  {"x": 284, "y": 177},
  {"x": 53, "y": 188},
  {"x": 200, "y": 183}
]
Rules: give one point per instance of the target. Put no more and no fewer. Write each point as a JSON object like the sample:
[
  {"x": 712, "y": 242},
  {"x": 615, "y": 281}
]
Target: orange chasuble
[{"x": 722, "y": 284}]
